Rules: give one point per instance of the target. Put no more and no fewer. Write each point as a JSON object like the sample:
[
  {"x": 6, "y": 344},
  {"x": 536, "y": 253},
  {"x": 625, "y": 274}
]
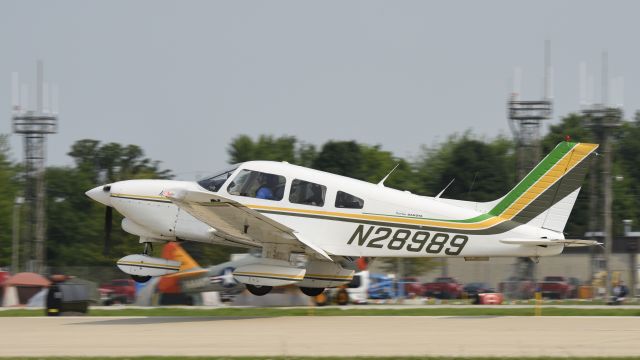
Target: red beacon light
[{"x": 567, "y": 138}]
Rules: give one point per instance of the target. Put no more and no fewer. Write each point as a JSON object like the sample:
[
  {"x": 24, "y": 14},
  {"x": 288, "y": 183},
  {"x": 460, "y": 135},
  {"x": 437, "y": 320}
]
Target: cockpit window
[
  {"x": 307, "y": 193},
  {"x": 214, "y": 183},
  {"x": 348, "y": 201},
  {"x": 257, "y": 184}
]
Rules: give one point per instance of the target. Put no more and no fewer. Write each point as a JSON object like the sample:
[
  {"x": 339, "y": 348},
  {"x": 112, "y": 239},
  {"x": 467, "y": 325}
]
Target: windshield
[
  {"x": 257, "y": 185},
  {"x": 214, "y": 183}
]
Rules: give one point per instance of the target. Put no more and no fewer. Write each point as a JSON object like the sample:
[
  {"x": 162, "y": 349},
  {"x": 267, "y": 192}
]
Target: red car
[
  {"x": 557, "y": 287},
  {"x": 443, "y": 288},
  {"x": 122, "y": 290},
  {"x": 413, "y": 287}
]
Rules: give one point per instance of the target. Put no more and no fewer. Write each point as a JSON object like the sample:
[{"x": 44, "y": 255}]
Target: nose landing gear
[{"x": 148, "y": 249}]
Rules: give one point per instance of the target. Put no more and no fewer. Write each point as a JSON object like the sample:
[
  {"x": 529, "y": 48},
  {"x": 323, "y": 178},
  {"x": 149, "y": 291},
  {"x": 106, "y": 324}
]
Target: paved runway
[{"x": 321, "y": 336}]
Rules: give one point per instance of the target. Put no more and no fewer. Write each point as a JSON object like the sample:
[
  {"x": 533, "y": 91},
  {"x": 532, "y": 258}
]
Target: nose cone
[{"x": 101, "y": 194}]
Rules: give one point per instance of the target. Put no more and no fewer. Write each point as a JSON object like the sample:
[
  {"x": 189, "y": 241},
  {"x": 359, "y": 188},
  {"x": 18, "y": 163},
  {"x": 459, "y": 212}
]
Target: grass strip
[
  {"x": 314, "y": 358},
  {"x": 272, "y": 312}
]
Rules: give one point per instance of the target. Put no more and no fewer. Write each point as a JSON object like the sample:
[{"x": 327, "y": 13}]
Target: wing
[{"x": 236, "y": 222}]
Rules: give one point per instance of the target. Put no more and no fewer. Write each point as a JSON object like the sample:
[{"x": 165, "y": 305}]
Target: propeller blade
[{"x": 108, "y": 217}]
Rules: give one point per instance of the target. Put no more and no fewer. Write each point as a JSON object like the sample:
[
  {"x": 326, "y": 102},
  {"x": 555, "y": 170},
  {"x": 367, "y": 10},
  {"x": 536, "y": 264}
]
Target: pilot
[{"x": 265, "y": 191}]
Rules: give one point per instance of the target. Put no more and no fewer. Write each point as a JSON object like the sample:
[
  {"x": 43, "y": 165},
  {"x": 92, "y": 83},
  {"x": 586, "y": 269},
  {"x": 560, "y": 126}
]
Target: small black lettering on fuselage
[{"x": 416, "y": 241}]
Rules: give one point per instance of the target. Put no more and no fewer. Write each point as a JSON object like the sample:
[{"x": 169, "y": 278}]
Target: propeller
[{"x": 108, "y": 221}]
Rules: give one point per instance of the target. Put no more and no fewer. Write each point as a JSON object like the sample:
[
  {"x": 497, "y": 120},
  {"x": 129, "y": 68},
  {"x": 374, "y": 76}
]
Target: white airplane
[{"x": 288, "y": 210}]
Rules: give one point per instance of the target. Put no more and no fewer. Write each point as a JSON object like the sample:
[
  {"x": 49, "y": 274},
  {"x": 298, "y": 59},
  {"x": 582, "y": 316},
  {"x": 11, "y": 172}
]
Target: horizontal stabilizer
[{"x": 550, "y": 242}]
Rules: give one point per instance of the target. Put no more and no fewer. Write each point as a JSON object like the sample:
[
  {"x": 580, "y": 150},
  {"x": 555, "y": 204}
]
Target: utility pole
[
  {"x": 15, "y": 246},
  {"x": 632, "y": 248},
  {"x": 603, "y": 120},
  {"x": 35, "y": 126}
]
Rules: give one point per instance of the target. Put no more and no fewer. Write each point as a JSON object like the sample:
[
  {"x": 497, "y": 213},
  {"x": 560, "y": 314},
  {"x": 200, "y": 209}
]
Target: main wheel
[
  {"x": 321, "y": 299},
  {"x": 309, "y": 291},
  {"x": 140, "y": 279},
  {"x": 259, "y": 290},
  {"x": 342, "y": 297}
]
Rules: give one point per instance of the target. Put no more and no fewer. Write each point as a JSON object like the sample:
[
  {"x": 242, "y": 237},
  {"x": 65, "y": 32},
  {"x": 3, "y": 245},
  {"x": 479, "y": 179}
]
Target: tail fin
[
  {"x": 545, "y": 197},
  {"x": 173, "y": 251}
]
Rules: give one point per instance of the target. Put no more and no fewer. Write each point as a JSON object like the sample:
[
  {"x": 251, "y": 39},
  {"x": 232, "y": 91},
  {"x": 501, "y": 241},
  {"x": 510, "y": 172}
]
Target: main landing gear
[
  {"x": 309, "y": 291},
  {"x": 258, "y": 290}
]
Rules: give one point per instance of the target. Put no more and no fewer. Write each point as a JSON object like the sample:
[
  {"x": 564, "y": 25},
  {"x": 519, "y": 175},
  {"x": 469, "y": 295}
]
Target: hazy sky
[{"x": 182, "y": 78}]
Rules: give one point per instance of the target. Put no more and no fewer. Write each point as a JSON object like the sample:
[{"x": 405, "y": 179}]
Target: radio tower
[
  {"x": 34, "y": 126},
  {"x": 525, "y": 118}
]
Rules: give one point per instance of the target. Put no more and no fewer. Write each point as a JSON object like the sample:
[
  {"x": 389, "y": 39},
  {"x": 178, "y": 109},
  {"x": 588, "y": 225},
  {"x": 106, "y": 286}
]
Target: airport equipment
[{"x": 67, "y": 297}]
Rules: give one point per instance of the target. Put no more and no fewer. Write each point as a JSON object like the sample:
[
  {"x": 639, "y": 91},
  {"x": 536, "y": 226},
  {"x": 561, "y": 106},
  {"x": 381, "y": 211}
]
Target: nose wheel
[{"x": 140, "y": 279}]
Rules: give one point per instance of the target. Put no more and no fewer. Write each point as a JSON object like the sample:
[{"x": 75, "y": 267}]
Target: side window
[
  {"x": 257, "y": 184},
  {"x": 307, "y": 193},
  {"x": 348, "y": 201}
]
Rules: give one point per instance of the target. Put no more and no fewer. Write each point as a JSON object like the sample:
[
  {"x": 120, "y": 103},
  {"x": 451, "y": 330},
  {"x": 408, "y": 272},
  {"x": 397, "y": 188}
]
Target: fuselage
[{"x": 350, "y": 218}]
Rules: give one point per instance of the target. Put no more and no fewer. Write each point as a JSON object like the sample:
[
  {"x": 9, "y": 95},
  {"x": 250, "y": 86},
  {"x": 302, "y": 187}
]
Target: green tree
[
  {"x": 266, "y": 147},
  {"x": 8, "y": 192},
  {"x": 114, "y": 162},
  {"x": 75, "y": 230},
  {"x": 480, "y": 171},
  {"x": 364, "y": 162},
  {"x": 342, "y": 158}
]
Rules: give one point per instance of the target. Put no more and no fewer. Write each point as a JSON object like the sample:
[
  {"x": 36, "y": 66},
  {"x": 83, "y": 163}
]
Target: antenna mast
[
  {"x": 34, "y": 126},
  {"x": 525, "y": 118}
]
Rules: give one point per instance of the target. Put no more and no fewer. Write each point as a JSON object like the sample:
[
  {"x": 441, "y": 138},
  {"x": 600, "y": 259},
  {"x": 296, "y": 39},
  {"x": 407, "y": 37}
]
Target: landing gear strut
[
  {"x": 148, "y": 248},
  {"x": 258, "y": 290}
]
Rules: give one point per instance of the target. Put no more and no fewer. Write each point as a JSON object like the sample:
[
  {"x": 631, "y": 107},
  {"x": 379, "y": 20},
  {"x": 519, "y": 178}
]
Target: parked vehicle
[
  {"x": 574, "y": 284},
  {"x": 381, "y": 287},
  {"x": 412, "y": 287},
  {"x": 443, "y": 288},
  {"x": 357, "y": 289},
  {"x": 557, "y": 287},
  {"x": 473, "y": 289},
  {"x": 122, "y": 290}
]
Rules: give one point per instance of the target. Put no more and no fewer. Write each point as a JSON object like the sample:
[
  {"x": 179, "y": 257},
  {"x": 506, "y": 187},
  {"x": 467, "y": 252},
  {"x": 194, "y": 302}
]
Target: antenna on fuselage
[
  {"x": 445, "y": 188},
  {"x": 381, "y": 183}
]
